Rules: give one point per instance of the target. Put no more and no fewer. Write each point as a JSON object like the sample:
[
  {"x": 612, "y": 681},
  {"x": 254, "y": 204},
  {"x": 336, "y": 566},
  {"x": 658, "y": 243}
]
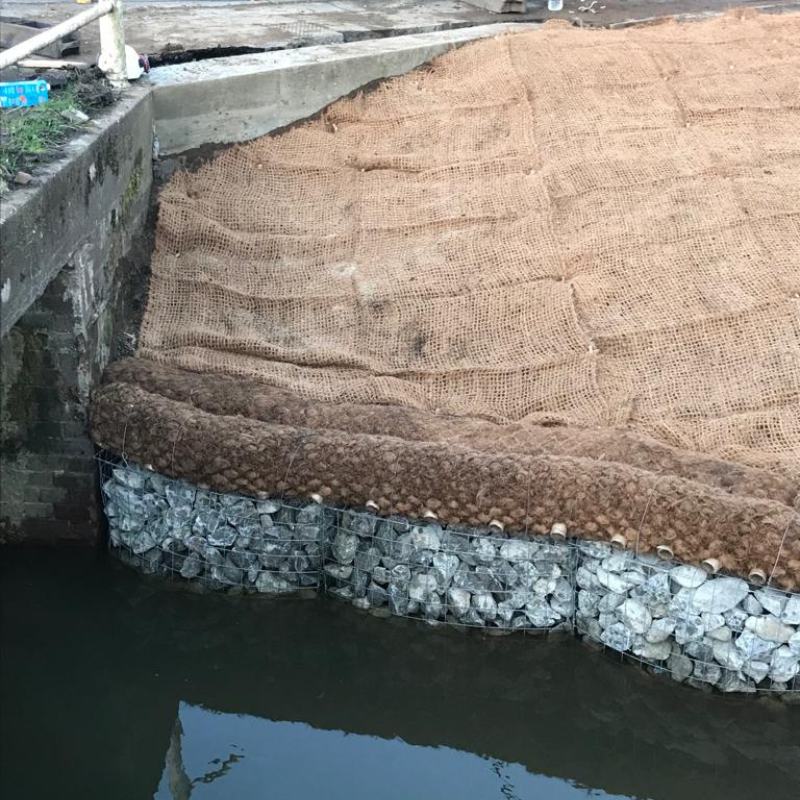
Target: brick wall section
[{"x": 51, "y": 358}]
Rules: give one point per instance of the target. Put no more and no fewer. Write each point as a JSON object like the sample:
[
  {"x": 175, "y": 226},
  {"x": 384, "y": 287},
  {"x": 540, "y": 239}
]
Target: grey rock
[
  {"x": 617, "y": 562},
  {"x": 359, "y": 581},
  {"x": 458, "y": 601},
  {"x": 398, "y": 600},
  {"x": 653, "y": 651},
  {"x": 444, "y": 567},
  {"x": 377, "y": 595},
  {"x": 368, "y": 559},
  {"x": 421, "y": 585},
  {"x": 472, "y": 618},
  {"x": 588, "y": 580},
  {"x": 728, "y": 655},
  {"x": 753, "y": 646},
  {"x": 192, "y": 566},
  {"x": 619, "y": 583},
  {"x": 660, "y": 630},
  {"x": 140, "y": 543},
  {"x": 719, "y": 595},
  {"x": 688, "y": 576},
  {"x": 707, "y": 673},
  {"x": 783, "y": 665},
  {"x": 559, "y": 554},
  {"x": 588, "y": 602},
  {"x": 655, "y": 592},
  {"x": 618, "y": 637},
  {"x": 769, "y": 628},
  {"x": 227, "y": 573},
  {"x": 505, "y": 573},
  {"x": 130, "y": 477},
  {"x": 150, "y": 561},
  {"x": 731, "y": 682},
  {"x": 222, "y": 536},
  {"x": 606, "y": 620},
  {"x": 721, "y": 634},
  {"x": 544, "y": 586},
  {"x": 361, "y": 603},
  {"x": 427, "y": 538},
  {"x": 528, "y": 574},
  {"x": 699, "y": 650},
  {"x": 273, "y": 584},
  {"x": 791, "y": 611},
  {"x": 433, "y": 607},
  {"x": 517, "y": 550},
  {"x": 401, "y": 575},
  {"x": 563, "y": 607},
  {"x": 635, "y": 616},
  {"x": 794, "y": 643},
  {"x": 757, "y": 670},
  {"x": 689, "y": 629},
  {"x": 341, "y": 572},
  {"x": 306, "y": 532},
  {"x": 680, "y": 667},
  {"x": 589, "y": 626},
  {"x": 735, "y": 619},
  {"x": 540, "y": 614},
  {"x": 484, "y": 603},
  {"x": 597, "y": 550},
  {"x": 380, "y": 575},
  {"x": 267, "y": 507},
  {"x": 610, "y": 602},
  {"x": 484, "y": 550},
  {"x": 752, "y": 606},
  {"x": 343, "y": 547},
  {"x": 773, "y": 600}
]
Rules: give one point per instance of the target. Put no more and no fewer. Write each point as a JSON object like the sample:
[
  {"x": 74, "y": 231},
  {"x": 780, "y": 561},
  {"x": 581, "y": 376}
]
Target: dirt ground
[{"x": 175, "y": 27}]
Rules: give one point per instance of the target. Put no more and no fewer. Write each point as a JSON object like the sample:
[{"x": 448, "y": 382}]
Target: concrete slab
[
  {"x": 175, "y": 27},
  {"x": 238, "y": 98}
]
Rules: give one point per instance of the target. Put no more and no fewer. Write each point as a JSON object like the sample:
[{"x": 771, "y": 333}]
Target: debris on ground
[{"x": 33, "y": 135}]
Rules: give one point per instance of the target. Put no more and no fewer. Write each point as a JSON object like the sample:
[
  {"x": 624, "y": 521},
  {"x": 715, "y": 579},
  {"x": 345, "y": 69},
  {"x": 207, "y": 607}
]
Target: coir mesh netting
[{"x": 550, "y": 276}]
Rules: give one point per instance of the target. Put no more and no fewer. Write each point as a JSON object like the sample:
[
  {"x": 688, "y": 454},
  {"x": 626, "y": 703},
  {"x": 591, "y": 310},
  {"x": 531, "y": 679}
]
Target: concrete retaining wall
[
  {"x": 242, "y": 97},
  {"x": 73, "y": 256}
]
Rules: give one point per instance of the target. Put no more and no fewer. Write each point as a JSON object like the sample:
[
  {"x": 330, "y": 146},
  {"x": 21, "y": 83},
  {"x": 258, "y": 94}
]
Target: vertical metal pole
[{"x": 112, "y": 47}]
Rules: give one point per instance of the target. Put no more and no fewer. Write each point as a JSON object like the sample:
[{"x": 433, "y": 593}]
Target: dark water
[{"x": 118, "y": 687}]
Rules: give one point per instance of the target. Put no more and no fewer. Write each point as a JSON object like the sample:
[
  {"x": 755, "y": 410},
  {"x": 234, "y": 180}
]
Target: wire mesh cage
[
  {"x": 676, "y": 619},
  {"x": 459, "y": 576},
  {"x": 221, "y": 541}
]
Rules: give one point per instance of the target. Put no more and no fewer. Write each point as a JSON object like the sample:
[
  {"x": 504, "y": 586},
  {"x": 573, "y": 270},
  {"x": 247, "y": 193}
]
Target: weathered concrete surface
[
  {"x": 44, "y": 224},
  {"x": 172, "y": 26},
  {"x": 73, "y": 251},
  {"x": 175, "y": 26},
  {"x": 241, "y": 97}
]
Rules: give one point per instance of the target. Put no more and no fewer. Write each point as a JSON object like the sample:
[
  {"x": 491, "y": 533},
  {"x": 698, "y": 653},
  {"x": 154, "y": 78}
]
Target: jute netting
[
  {"x": 588, "y": 227},
  {"x": 551, "y": 276}
]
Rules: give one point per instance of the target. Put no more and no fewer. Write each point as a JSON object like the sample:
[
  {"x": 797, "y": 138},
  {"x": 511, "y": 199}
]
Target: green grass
[{"x": 28, "y": 135}]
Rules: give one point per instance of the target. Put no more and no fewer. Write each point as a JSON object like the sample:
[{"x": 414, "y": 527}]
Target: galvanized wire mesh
[
  {"x": 453, "y": 575},
  {"x": 676, "y": 619},
  {"x": 707, "y": 631}
]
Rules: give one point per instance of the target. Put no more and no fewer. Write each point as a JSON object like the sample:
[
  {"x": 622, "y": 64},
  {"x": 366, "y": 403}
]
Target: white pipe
[
  {"x": 50, "y": 35},
  {"x": 112, "y": 47}
]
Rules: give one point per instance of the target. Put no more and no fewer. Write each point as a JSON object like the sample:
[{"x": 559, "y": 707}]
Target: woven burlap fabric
[
  {"x": 461, "y": 483},
  {"x": 590, "y": 227},
  {"x": 228, "y": 396}
]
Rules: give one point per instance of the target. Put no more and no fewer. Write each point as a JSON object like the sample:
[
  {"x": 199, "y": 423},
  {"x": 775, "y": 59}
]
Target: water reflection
[
  {"x": 214, "y": 755},
  {"x": 109, "y": 683}
]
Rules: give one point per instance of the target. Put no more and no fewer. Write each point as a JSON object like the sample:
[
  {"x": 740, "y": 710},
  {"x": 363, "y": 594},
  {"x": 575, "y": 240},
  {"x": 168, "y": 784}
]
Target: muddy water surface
[{"x": 114, "y": 686}]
